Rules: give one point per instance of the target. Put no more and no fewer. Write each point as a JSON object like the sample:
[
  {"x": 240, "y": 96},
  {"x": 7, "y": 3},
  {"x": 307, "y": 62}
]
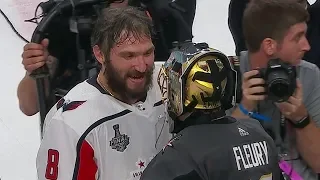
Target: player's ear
[
  {"x": 98, "y": 54},
  {"x": 269, "y": 46}
]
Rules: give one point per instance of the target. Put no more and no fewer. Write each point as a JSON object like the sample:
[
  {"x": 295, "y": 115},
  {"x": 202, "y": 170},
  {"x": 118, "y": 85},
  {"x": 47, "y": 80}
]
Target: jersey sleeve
[
  {"x": 170, "y": 165},
  {"x": 59, "y": 158}
]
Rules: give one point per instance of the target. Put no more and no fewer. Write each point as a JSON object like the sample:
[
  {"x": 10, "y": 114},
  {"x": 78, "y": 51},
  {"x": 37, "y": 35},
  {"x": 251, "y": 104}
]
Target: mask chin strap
[{"x": 178, "y": 125}]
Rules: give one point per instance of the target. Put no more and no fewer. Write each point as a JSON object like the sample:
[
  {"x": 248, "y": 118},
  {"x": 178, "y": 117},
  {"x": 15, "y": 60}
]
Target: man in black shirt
[
  {"x": 198, "y": 85},
  {"x": 313, "y": 34}
]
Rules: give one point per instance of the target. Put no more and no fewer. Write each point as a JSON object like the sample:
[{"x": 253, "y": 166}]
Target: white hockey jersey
[{"x": 96, "y": 136}]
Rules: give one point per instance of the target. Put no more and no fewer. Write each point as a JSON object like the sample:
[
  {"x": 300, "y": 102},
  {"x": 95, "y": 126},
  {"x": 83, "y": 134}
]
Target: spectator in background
[
  {"x": 235, "y": 15},
  {"x": 313, "y": 34}
]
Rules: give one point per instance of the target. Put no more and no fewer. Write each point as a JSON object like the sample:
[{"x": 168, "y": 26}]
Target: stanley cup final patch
[{"x": 120, "y": 141}]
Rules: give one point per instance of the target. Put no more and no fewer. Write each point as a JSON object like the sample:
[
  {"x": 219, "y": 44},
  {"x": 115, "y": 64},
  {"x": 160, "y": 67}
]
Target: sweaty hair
[
  {"x": 270, "y": 19},
  {"x": 115, "y": 25}
]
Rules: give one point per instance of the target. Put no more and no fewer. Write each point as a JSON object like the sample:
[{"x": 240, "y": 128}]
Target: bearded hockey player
[
  {"x": 198, "y": 85},
  {"x": 110, "y": 126}
]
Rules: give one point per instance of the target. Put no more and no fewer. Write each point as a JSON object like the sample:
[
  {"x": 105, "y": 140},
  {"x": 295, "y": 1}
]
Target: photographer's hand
[
  {"x": 252, "y": 90},
  {"x": 294, "y": 108}
]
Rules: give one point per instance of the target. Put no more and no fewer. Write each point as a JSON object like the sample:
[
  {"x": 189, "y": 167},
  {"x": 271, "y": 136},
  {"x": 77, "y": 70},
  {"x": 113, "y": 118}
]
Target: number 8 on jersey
[{"x": 52, "y": 164}]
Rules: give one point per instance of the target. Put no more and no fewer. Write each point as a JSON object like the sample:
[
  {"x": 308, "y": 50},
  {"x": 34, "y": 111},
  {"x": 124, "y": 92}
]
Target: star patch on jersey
[
  {"x": 72, "y": 105},
  {"x": 141, "y": 164}
]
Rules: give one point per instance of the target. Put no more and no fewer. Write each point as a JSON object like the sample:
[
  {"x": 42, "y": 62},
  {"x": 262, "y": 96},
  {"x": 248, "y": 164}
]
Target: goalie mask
[{"x": 196, "y": 77}]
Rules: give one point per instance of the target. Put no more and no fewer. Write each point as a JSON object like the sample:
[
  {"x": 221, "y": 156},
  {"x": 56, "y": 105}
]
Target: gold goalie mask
[{"x": 197, "y": 77}]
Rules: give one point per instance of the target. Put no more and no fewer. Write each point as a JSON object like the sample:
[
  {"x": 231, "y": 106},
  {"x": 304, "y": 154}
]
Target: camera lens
[
  {"x": 278, "y": 86},
  {"x": 279, "y": 89}
]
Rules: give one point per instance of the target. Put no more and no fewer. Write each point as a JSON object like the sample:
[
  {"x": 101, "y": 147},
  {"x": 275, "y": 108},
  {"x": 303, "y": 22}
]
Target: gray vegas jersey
[{"x": 224, "y": 149}]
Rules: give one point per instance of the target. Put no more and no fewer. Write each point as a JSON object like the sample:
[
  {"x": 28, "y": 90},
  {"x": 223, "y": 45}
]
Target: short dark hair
[
  {"x": 112, "y": 22},
  {"x": 270, "y": 19}
]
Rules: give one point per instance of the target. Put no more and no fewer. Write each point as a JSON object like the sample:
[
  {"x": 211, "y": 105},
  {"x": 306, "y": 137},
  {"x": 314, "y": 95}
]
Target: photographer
[
  {"x": 62, "y": 61},
  {"x": 277, "y": 29}
]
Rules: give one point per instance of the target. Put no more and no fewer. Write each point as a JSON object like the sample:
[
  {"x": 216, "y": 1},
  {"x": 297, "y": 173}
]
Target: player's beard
[{"x": 118, "y": 84}]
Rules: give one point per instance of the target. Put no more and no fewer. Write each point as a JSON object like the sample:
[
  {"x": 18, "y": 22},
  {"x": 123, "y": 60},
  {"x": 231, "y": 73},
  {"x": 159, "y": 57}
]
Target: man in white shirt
[{"x": 112, "y": 125}]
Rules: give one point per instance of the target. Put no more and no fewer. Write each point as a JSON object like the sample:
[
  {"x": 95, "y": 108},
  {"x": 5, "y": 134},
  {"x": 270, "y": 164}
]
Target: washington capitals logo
[
  {"x": 120, "y": 141},
  {"x": 68, "y": 105}
]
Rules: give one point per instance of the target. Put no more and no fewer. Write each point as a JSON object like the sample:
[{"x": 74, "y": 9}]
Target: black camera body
[{"x": 280, "y": 80}]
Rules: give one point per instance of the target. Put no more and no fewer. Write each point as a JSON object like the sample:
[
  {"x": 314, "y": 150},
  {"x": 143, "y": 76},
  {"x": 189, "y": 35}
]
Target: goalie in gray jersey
[{"x": 198, "y": 84}]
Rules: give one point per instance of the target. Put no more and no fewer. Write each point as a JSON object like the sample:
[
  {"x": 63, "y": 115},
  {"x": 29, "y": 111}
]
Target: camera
[{"x": 280, "y": 80}]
